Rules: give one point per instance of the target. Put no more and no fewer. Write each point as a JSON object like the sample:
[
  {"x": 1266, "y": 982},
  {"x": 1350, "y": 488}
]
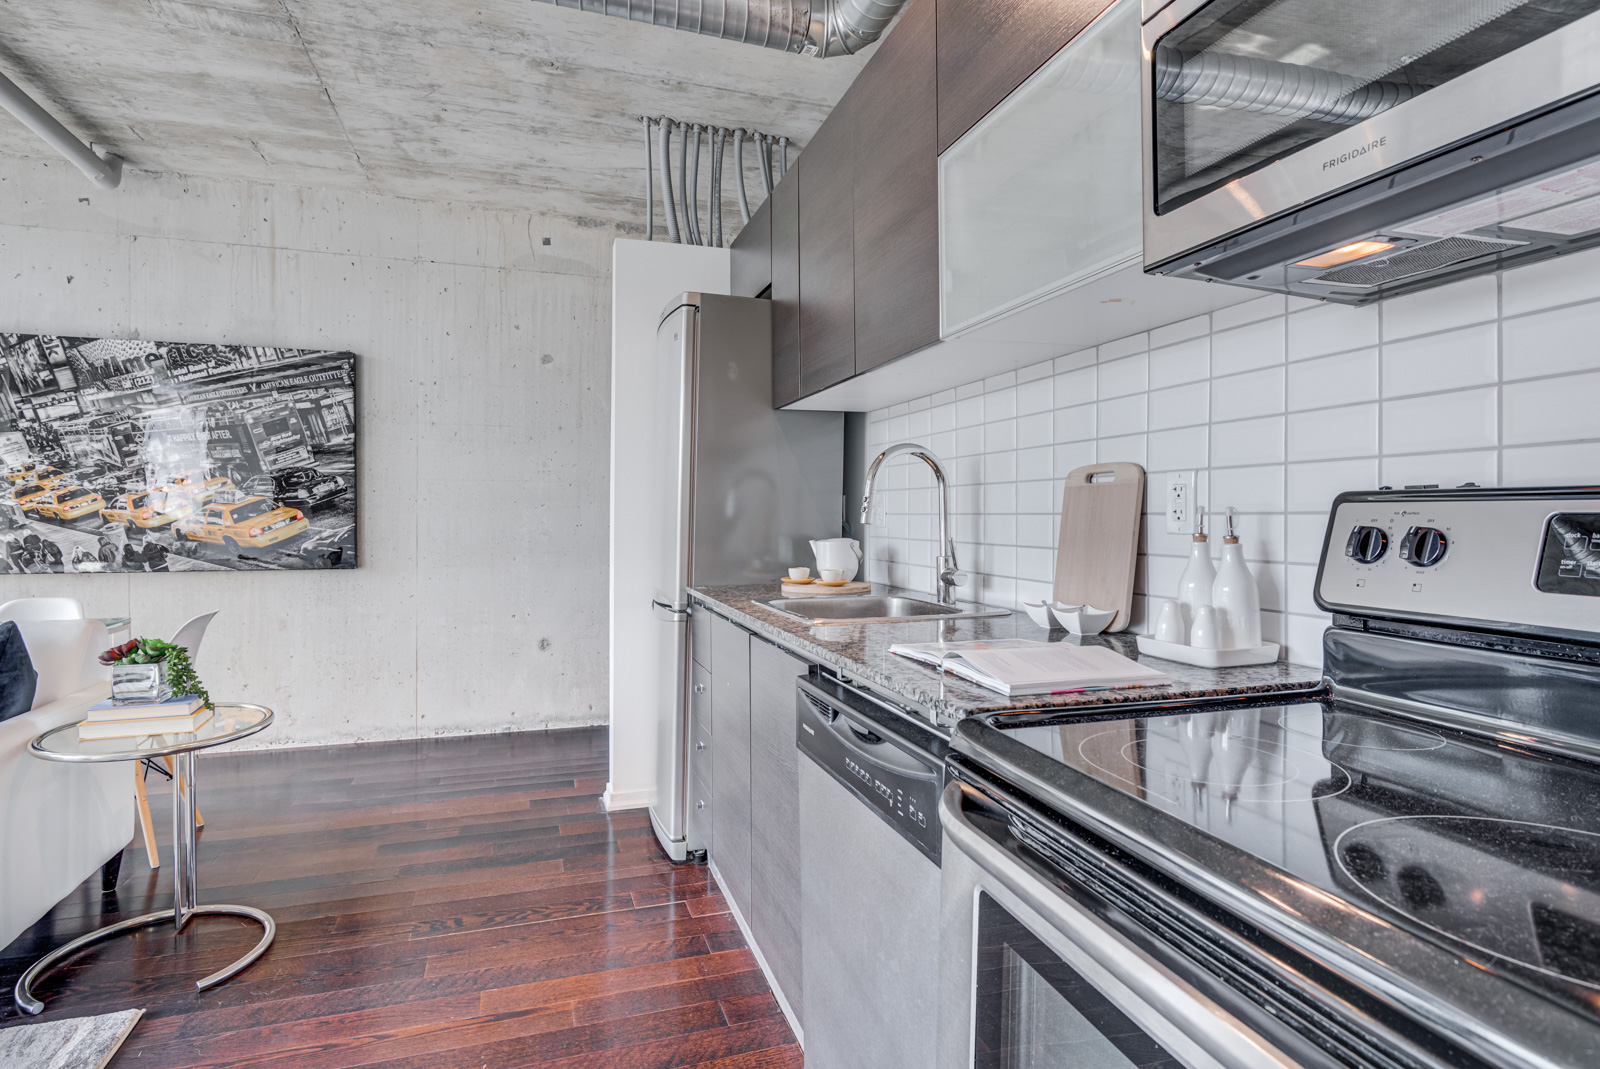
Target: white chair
[
  {"x": 42, "y": 609},
  {"x": 188, "y": 636}
]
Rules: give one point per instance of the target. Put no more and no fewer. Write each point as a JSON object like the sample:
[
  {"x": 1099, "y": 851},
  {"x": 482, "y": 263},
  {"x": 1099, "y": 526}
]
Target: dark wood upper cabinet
[
  {"x": 989, "y": 47},
  {"x": 827, "y": 250},
  {"x": 783, "y": 211},
  {"x": 752, "y": 254},
  {"x": 896, "y": 184}
]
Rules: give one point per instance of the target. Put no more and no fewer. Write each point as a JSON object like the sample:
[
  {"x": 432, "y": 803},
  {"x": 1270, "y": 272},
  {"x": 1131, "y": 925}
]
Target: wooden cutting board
[
  {"x": 817, "y": 590},
  {"x": 1100, "y": 512}
]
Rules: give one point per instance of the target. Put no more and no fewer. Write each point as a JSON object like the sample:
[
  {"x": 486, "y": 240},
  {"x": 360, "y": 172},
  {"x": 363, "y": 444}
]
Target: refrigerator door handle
[{"x": 667, "y": 613}]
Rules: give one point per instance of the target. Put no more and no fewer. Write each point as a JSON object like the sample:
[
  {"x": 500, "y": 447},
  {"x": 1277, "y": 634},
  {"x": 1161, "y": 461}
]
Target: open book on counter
[{"x": 1019, "y": 666}]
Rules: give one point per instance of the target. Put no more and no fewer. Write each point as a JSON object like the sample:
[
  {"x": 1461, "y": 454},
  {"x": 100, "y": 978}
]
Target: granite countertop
[{"x": 860, "y": 652}]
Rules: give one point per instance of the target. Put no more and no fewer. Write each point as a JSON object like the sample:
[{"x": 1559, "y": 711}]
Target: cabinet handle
[
  {"x": 699, "y": 746},
  {"x": 700, "y": 805},
  {"x": 699, "y": 688}
]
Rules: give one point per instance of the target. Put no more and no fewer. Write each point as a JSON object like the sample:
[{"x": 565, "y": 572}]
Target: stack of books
[{"x": 175, "y": 716}]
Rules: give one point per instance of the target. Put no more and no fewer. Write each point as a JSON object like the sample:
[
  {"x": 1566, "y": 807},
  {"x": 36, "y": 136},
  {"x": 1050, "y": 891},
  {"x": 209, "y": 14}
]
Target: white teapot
[{"x": 837, "y": 554}]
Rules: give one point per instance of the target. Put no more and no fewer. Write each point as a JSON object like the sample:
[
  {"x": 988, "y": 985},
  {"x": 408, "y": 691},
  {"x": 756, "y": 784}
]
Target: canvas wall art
[{"x": 122, "y": 455}]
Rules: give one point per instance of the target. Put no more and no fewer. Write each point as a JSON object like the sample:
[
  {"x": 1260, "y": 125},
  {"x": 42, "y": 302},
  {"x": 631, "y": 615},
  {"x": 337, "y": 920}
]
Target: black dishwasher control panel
[{"x": 895, "y": 767}]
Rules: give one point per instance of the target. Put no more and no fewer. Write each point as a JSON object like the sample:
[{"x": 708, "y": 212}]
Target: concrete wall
[
  {"x": 480, "y": 603},
  {"x": 1278, "y": 404}
]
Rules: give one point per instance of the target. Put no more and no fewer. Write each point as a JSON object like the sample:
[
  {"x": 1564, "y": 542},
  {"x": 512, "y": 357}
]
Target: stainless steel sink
[{"x": 875, "y": 609}]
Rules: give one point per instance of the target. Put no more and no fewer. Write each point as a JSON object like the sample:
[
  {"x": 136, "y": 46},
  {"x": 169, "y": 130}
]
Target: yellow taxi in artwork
[
  {"x": 67, "y": 503},
  {"x": 48, "y": 476},
  {"x": 202, "y": 490},
  {"x": 152, "y": 508},
  {"x": 23, "y": 472},
  {"x": 27, "y": 493},
  {"x": 253, "y": 523}
]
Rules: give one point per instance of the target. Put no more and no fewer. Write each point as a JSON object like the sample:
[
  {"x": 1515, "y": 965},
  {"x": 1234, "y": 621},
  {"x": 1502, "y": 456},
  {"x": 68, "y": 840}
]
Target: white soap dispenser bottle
[
  {"x": 1235, "y": 594},
  {"x": 1194, "y": 586}
]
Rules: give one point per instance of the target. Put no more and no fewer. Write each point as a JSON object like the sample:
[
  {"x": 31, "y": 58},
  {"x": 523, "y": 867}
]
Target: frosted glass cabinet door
[{"x": 1043, "y": 193}]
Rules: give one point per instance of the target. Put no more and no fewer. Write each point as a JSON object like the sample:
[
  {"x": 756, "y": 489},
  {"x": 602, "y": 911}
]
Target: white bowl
[
  {"x": 799, "y": 573},
  {"x": 1039, "y": 612},
  {"x": 1082, "y": 619}
]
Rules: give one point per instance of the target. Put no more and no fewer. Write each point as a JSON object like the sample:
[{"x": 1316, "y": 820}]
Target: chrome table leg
[{"x": 185, "y": 892}]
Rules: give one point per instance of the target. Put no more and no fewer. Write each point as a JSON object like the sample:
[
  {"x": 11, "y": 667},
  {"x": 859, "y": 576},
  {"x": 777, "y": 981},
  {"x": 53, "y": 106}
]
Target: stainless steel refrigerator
[{"x": 739, "y": 491}]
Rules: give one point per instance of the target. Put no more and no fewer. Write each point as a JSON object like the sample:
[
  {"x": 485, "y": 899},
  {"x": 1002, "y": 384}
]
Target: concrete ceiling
[{"x": 500, "y": 102}]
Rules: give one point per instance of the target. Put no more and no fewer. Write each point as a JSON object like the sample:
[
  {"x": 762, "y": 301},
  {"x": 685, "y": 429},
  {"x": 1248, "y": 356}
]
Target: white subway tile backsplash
[
  {"x": 1350, "y": 431},
  {"x": 1312, "y": 487},
  {"x": 1133, "y": 343},
  {"x": 1468, "y": 357},
  {"x": 1552, "y": 342},
  {"x": 1128, "y": 375},
  {"x": 1332, "y": 380},
  {"x": 1564, "y": 280},
  {"x": 1553, "y": 410},
  {"x": 1247, "y": 348},
  {"x": 1257, "y": 489},
  {"x": 1272, "y": 304},
  {"x": 1180, "y": 406},
  {"x": 1124, "y": 415},
  {"x": 1452, "y": 394},
  {"x": 1474, "y": 301},
  {"x": 1466, "y": 419},
  {"x": 1249, "y": 441},
  {"x": 1180, "y": 331},
  {"x": 1178, "y": 450},
  {"x": 1000, "y": 404},
  {"x": 1257, "y": 393},
  {"x": 1076, "y": 387},
  {"x": 1188, "y": 361},
  {"x": 1481, "y": 466},
  {"x": 1332, "y": 328},
  {"x": 1568, "y": 464}
]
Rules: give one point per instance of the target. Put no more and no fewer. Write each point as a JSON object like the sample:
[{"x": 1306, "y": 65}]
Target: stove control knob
[
  {"x": 1367, "y": 545},
  {"x": 1424, "y": 546}
]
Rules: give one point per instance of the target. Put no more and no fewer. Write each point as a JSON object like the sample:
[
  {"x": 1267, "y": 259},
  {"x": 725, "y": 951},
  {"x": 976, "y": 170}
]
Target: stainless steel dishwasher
[{"x": 869, "y": 895}]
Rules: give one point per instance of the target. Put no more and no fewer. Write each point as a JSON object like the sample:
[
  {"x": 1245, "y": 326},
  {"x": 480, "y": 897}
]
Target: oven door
[
  {"x": 1255, "y": 108},
  {"x": 1031, "y": 977}
]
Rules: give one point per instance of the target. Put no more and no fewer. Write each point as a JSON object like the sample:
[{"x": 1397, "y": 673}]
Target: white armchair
[{"x": 59, "y": 823}]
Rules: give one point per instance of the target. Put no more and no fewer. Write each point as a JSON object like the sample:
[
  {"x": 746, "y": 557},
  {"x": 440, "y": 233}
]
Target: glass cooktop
[{"x": 1368, "y": 827}]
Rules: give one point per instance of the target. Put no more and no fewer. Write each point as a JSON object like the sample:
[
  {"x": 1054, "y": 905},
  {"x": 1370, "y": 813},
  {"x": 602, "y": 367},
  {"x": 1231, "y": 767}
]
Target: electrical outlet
[{"x": 1180, "y": 502}]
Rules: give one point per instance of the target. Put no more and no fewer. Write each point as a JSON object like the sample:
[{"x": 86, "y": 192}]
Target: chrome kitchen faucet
[{"x": 948, "y": 574}]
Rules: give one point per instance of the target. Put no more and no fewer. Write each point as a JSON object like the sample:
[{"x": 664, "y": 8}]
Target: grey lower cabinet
[
  {"x": 870, "y": 927},
  {"x": 730, "y": 760},
  {"x": 775, "y": 817}
]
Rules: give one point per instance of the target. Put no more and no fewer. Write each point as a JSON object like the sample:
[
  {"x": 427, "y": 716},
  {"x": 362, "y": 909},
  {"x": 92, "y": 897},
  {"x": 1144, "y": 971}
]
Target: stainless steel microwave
[{"x": 1350, "y": 150}]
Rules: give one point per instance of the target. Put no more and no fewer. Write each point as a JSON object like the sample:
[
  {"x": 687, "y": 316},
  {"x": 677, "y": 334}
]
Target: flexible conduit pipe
[
  {"x": 691, "y": 192},
  {"x": 649, "y": 182},
  {"x": 104, "y": 171},
  {"x": 738, "y": 167},
  {"x": 809, "y": 27},
  {"x": 667, "y": 206}
]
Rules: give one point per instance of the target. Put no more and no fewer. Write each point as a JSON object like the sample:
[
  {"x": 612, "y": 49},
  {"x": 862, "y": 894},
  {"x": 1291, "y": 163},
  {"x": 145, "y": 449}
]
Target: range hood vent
[{"x": 1415, "y": 261}]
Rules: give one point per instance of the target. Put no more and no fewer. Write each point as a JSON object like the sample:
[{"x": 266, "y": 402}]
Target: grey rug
[{"x": 74, "y": 1043}]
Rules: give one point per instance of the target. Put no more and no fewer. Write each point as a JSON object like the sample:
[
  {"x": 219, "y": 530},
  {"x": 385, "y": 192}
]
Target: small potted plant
[{"x": 150, "y": 670}]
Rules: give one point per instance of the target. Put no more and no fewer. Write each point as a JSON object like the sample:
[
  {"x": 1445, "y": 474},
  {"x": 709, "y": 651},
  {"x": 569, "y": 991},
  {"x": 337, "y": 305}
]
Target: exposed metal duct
[
  {"x": 104, "y": 171},
  {"x": 806, "y": 27},
  {"x": 1245, "y": 83}
]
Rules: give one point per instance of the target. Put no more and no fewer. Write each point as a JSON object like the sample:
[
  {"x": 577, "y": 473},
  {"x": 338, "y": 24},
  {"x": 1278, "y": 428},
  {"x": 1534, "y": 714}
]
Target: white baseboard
[
  {"x": 749, "y": 937},
  {"x": 615, "y": 801}
]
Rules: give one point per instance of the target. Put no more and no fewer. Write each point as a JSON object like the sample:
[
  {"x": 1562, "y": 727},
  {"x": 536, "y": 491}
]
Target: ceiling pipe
[
  {"x": 104, "y": 171},
  {"x": 806, "y": 27}
]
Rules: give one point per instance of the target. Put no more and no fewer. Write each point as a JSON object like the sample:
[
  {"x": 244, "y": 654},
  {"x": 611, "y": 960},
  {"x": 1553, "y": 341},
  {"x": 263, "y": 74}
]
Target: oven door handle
[{"x": 1197, "y": 1017}]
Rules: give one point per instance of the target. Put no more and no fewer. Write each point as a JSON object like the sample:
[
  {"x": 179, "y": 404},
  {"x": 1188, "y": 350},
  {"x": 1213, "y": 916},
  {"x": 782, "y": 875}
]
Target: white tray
[{"x": 1265, "y": 653}]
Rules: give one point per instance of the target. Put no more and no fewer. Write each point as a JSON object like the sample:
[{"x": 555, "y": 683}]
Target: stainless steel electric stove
[{"x": 1403, "y": 873}]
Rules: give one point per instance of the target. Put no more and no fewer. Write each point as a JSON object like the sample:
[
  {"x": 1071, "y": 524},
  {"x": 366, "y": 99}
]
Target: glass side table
[{"x": 229, "y": 721}]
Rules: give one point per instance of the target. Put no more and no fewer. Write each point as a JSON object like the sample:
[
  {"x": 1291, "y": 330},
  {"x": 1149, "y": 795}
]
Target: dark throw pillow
[{"x": 18, "y": 681}]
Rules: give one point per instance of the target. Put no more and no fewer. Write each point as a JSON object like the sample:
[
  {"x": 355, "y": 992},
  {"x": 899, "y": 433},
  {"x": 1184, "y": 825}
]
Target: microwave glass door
[
  {"x": 1242, "y": 83},
  {"x": 1034, "y": 1011}
]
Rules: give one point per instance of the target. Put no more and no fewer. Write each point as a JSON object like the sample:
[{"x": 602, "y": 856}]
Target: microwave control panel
[{"x": 1497, "y": 559}]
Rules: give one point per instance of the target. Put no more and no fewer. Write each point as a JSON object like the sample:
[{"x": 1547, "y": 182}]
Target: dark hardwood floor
[{"x": 441, "y": 903}]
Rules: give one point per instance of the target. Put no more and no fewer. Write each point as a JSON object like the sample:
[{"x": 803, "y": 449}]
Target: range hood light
[{"x": 1345, "y": 253}]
